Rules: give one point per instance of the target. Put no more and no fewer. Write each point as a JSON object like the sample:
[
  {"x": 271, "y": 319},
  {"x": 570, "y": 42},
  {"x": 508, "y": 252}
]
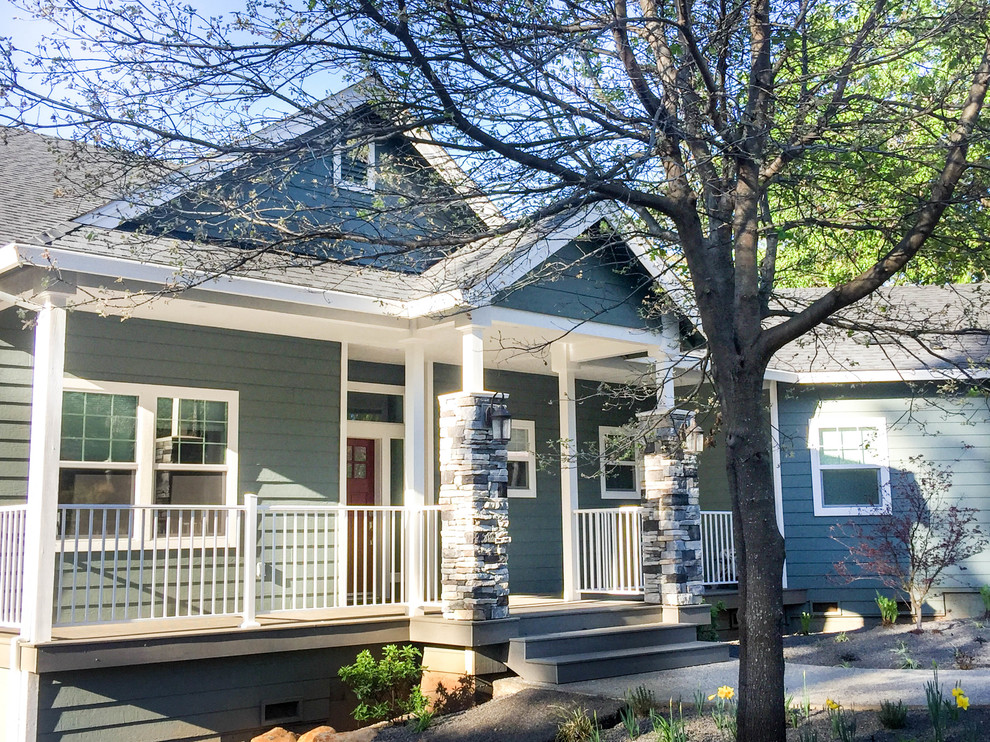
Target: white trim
[
  {"x": 634, "y": 494},
  {"x": 831, "y": 421},
  {"x": 144, "y": 446},
  {"x": 527, "y": 457},
  {"x": 373, "y": 387},
  {"x": 778, "y": 484},
  {"x": 858, "y": 377},
  {"x": 414, "y": 469},
  {"x": 490, "y": 315}
]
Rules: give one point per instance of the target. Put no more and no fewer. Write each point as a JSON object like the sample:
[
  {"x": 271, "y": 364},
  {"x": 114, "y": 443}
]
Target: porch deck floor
[{"x": 518, "y": 605}]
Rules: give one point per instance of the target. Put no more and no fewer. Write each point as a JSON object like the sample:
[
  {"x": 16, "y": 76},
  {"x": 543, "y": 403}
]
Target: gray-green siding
[
  {"x": 949, "y": 431},
  {"x": 209, "y": 699},
  {"x": 289, "y": 394},
  {"x": 587, "y": 282}
]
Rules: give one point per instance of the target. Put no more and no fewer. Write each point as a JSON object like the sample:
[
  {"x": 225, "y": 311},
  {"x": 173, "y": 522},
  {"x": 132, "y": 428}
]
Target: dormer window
[{"x": 354, "y": 165}]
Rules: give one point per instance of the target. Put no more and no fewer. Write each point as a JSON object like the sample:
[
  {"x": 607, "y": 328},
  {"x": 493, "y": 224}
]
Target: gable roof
[
  {"x": 900, "y": 333},
  {"x": 40, "y": 216}
]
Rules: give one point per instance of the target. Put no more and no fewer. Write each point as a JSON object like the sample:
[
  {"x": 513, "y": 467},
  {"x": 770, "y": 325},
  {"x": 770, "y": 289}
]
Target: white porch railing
[
  {"x": 610, "y": 549},
  {"x": 300, "y": 548},
  {"x": 118, "y": 563},
  {"x": 13, "y": 519},
  {"x": 610, "y": 543},
  {"x": 718, "y": 547}
]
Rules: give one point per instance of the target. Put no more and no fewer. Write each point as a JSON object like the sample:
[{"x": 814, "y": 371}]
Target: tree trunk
[{"x": 759, "y": 556}]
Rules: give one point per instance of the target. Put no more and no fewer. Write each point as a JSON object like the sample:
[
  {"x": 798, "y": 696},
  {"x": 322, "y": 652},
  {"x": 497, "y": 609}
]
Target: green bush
[
  {"x": 888, "y": 610},
  {"x": 388, "y": 688}
]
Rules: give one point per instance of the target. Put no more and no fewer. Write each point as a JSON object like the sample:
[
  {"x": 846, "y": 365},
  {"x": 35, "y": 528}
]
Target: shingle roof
[
  {"x": 38, "y": 201},
  {"x": 898, "y": 329}
]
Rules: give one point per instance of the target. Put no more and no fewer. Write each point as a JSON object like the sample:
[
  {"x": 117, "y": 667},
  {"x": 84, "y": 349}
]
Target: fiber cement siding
[
  {"x": 951, "y": 431},
  {"x": 289, "y": 394}
]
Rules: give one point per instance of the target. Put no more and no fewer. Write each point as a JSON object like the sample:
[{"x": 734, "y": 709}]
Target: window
[
  {"x": 619, "y": 461},
  {"x": 136, "y": 444},
  {"x": 522, "y": 459},
  {"x": 850, "y": 474},
  {"x": 354, "y": 165}
]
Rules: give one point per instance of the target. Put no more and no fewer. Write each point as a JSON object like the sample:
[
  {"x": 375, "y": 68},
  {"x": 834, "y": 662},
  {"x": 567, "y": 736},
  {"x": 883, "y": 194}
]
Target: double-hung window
[
  {"x": 619, "y": 464},
  {"x": 522, "y": 459},
  {"x": 137, "y": 444},
  {"x": 849, "y": 465}
]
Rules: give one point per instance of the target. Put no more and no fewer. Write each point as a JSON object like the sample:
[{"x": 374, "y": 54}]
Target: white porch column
[
  {"x": 414, "y": 472},
  {"x": 42, "y": 513},
  {"x": 563, "y": 367},
  {"x": 43, "y": 454},
  {"x": 472, "y": 358}
]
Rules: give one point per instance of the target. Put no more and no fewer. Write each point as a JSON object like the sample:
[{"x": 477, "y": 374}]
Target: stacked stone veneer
[
  {"x": 474, "y": 535},
  {"x": 672, "y": 568}
]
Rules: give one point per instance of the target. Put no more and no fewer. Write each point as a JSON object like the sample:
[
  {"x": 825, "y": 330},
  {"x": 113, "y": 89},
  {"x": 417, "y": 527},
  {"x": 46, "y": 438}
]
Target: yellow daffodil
[
  {"x": 957, "y": 691},
  {"x": 832, "y": 705},
  {"x": 962, "y": 702},
  {"x": 726, "y": 692},
  {"x": 711, "y": 697}
]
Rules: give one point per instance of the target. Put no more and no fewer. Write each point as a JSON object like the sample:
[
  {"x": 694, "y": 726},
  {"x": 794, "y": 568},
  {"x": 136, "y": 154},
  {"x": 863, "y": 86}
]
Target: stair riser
[
  {"x": 578, "y": 621},
  {"x": 646, "y": 639},
  {"x": 607, "y": 668}
]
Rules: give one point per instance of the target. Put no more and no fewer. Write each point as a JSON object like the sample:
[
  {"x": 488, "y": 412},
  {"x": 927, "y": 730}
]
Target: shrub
[
  {"x": 641, "y": 700},
  {"x": 388, "y": 688},
  {"x": 891, "y": 715},
  {"x": 916, "y": 540},
  {"x": 888, "y": 610},
  {"x": 985, "y": 596}
]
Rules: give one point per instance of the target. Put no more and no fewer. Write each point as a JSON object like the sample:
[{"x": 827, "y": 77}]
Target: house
[
  {"x": 223, "y": 471},
  {"x": 902, "y": 376}
]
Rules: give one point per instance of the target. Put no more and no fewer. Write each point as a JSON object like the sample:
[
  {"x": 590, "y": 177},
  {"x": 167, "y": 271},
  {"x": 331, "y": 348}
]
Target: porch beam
[
  {"x": 414, "y": 472},
  {"x": 562, "y": 365}
]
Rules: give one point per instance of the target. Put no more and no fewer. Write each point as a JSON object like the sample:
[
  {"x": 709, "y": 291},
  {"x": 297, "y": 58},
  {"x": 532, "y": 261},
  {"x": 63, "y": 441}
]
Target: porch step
[
  {"x": 567, "y": 657},
  {"x": 602, "y": 615}
]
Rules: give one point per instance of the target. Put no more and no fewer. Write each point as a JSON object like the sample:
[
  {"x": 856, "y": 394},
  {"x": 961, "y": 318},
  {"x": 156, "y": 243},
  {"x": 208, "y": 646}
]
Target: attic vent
[
  {"x": 274, "y": 711},
  {"x": 355, "y": 165}
]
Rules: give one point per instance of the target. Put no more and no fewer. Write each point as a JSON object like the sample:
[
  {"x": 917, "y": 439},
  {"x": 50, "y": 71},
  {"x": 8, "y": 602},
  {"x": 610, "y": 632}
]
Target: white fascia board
[
  {"x": 539, "y": 250},
  {"x": 433, "y": 304},
  {"x": 454, "y": 176},
  {"x": 257, "y": 288},
  {"x": 854, "y": 377},
  {"x": 9, "y": 258},
  {"x": 489, "y": 315}
]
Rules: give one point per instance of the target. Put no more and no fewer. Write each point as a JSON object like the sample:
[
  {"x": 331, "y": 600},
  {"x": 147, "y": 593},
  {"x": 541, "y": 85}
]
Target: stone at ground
[
  {"x": 320, "y": 734},
  {"x": 278, "y": 734}
]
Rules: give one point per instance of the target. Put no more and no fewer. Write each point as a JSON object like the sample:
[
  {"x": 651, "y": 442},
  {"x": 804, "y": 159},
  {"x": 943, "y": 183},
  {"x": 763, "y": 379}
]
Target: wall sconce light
[
  {"x": 691, "y": 435},
  {"x": 499, "y": 419}
]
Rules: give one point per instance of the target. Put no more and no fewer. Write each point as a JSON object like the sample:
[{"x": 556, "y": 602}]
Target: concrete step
[
  {"x": 571, "y": 668},
  {"x": 610, "y": 638}
]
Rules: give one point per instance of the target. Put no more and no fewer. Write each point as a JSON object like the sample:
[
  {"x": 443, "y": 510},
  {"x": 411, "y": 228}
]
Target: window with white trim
[
  {"x": 619, "y": 462},
  {"x": 136, "y": 444},
  {"x": 850, "y": 473},
  {"x": 522, "y": 459},
  {"x": 354, "y": 165}
]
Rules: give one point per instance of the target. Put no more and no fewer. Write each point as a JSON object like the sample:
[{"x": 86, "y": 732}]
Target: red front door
[{"x": 360, "y": 524}]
